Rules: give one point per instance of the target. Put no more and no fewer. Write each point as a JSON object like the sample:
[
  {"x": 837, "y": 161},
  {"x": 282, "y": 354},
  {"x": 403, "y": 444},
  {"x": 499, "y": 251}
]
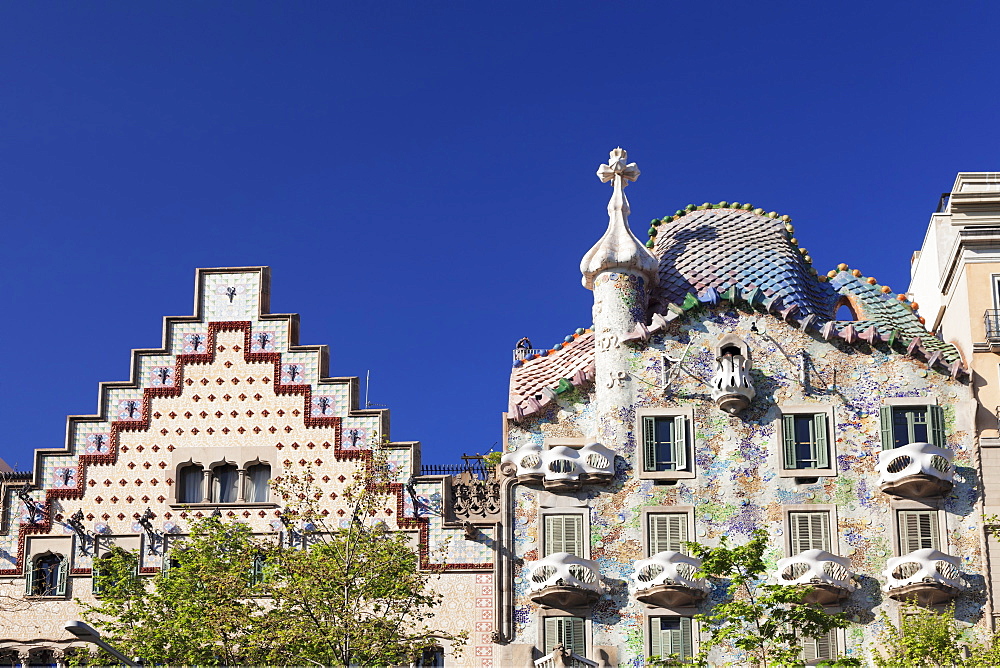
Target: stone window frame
[
  {"x": 208, "y": 481},
  {"x": 659, "y": 510},
  {"x": 932, "y": 505},
  {"x": 835, "y": 544},
  {"x": 676, "y": 411},
  {"x": 911, "y": 402},
  {"x": 831, "y": 440}
]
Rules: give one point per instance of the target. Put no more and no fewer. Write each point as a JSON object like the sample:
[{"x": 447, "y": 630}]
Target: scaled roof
[{"x": 729, "y": 252}]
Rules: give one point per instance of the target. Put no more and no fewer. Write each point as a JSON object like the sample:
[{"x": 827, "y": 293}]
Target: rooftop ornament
[{"x": 618, "y": 249}]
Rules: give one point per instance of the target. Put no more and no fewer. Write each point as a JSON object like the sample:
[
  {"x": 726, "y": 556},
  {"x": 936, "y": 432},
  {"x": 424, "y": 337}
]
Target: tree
[
  {"x": 767, "y": 621},
  {"x": 927, "y": 638},
  {"x": 337, "y": 596}
]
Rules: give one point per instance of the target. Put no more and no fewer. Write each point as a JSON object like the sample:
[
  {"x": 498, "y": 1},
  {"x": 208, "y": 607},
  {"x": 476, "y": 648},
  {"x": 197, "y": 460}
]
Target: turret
[{"x": 620, "y": 271}]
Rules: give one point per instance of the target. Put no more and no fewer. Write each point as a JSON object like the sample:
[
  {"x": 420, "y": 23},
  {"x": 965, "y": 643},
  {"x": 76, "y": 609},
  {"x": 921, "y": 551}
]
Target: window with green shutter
[
  {"x": 820, "y": 648},
  {"x": 566, "y": 631},
  {"x": 664, "y": 441},
  {"x": 918, "y": 530},
  {"x": 667, "y": 532},
  {"x": 46, "y": 575},
  {"x": 563, "y": 533},
  {"x": 902, "y": 425},
  {"x": 805, "y": 441},
  {"x": 670, "y": 635},
  {"x": 809, "y": 531}
]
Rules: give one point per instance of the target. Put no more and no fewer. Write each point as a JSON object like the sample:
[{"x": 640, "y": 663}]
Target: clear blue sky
[{"x": 420, "y": 176}]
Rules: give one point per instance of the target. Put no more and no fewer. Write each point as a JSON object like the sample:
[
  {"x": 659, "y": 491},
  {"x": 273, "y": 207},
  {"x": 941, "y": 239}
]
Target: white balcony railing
[
  {"x": 560, "y": 466},
  {"x": 815, "y": 567},
  {"x": 931, "y": 576},
  {"x": 563, "y": 569},
  {"x": 916, "y": 469},
  {"x": 669, "y": 568},
  {"x": 563, "y": 658}
]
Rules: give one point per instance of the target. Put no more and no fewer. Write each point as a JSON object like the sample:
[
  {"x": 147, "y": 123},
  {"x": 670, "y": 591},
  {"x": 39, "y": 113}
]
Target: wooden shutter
[
  {"x": 566, "y": 630},
  {"x": 821, "y": 446},
  {"x": 821, "y": 648},
  {"x": 670, "y": 635},
  {"x": 788, "y": 441},
  {"x": 564, "y": 533},
  {"x": 667, "y": 531},
  {"x": 62, "y": 576},
  {"x": 885, "y": 418},
  {"x": 678, "y": 445},
  {"x": 918, "y": 530},
  {"x": 648, "y": 443},
  {"x": 809, "y": 531},
  {"x": 936, "y": 427}
]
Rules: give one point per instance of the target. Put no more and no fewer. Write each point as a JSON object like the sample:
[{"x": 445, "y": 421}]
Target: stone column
[
  {"x": 206, "y": 486},
  {"x": 620, "y": 271}
]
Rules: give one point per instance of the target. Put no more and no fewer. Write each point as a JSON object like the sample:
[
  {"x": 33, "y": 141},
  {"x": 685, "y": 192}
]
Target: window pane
[
  {"x": 190, "y": 488},
  {"x": 256, "y": 482},
  {"x": 805, "y": 451},
  {"x": 909, "y": 425},
  {"x": 670, "y": 635},
  {"x": 565, "y": 631},
  {"x": 225, "y": 484}
]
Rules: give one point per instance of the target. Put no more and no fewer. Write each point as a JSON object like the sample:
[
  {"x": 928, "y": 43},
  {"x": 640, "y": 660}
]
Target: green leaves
[
  {"x": 766, "y": 621},
  {"x": 354, "y": 596}
]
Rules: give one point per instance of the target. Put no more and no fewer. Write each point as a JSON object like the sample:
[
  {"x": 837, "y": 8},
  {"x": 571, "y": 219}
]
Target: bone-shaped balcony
[
  {"x": 561, "y": 467},
  {"x": 927, "y": 577},
  {"x": 667, "y": 579},
  {"x": 563, "y": 580},
  {"x": 828, "y": 575},
  {"x": 731, "y": 386},
  {"x": 916, "y": 470}
]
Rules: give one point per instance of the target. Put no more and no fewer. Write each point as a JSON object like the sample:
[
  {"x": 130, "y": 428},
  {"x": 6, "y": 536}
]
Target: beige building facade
[{"x": 955, "y": 280}]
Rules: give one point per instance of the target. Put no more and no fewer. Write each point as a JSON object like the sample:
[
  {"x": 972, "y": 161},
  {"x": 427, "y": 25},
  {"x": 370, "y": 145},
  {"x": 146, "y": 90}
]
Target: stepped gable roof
[{"x": 721, "y": 248}]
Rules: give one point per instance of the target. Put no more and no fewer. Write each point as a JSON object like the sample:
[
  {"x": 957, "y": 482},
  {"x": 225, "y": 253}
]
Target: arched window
[
  {"x": 256, "y": 483},
  {"x": 257, "y": 570},
  {"x": 224, "y": 483},
  {"x": 189, "y": 489},
  {"x": 46, "y": 575}
]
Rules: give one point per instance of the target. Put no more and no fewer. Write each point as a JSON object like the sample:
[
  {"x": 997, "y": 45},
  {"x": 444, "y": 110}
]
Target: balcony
[
  {"x": 927, "y": 577},
  {"x": 563, "y": 658},
  {"x": 561, "y": 467},
  {"x": 992, "y": 321},
  {"x": 563, "y": 580},
  {"x": 828, "y": 576},
  {"x": 916, "y": 470},
  {"x": 667, "y": 579}
]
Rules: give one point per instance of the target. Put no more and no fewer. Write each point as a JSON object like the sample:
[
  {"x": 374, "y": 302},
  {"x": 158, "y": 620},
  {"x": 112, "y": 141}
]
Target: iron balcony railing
[{"x": 992, "y": 320}]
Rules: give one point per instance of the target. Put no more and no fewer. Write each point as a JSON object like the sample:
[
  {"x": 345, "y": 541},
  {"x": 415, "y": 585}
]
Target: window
[
  {"x": 225, "y": 483},
  {"x": 809, "y": 531},
  {"x": 670, "y": 635},
  {"x": 190, "y": 488},
  {"x": 805, "y": 441},
  {"x": 565, "y": 631},
  {"x": 257, "y": 570},
  {"x": 902, "y": 425},
  {"x": 431, "y": 656},
  {"x": 664, "y": 441},
  {"x": 101, "y": 574},
  {"x": 918, "y": 530},
  {"x": 564, "y": 533},
  {"x": 46, "y": 575},
  {"x": 822, "y": 648},
  {"x": 256, "y": 483},
  {"x": 667, "y": 532}
]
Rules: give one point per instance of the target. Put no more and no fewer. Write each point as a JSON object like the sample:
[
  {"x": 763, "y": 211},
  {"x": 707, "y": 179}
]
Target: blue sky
[{"x": 420, "y": 176}]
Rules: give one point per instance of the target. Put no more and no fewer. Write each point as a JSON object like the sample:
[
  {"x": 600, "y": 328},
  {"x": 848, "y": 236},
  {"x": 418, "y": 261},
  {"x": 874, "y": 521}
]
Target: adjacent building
[{"x": 715, "y": 392}]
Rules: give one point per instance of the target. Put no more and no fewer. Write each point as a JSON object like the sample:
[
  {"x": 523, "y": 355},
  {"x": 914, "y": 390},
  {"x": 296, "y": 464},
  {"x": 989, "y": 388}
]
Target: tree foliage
[
  {"x": 927, "y": 639},
  {"x": 335, "y": 596},
  {"x": 766, "y": 621}
]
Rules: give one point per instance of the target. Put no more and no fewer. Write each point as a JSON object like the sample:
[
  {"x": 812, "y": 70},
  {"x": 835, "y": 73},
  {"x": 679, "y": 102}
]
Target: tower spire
[{"x": 618, "y": 249}]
